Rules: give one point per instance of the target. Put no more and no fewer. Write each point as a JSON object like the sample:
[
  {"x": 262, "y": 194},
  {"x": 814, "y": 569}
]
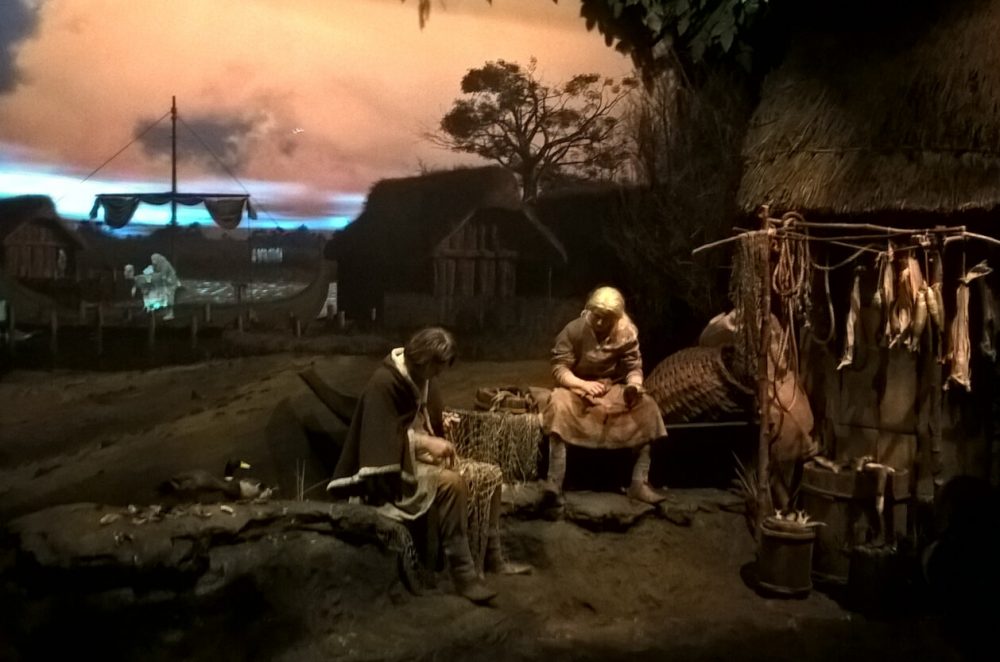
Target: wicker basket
[{"x": 696, "y": 383}]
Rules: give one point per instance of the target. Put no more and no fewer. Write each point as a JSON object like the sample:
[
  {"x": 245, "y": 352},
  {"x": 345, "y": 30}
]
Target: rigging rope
[{"x": 115, "y": 155}]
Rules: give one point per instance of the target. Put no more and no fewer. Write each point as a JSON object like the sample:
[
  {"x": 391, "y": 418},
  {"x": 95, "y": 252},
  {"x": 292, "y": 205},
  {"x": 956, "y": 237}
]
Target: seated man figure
[
  {"x": 396, "y": 457},
  {"x": 599, "y": 401}
]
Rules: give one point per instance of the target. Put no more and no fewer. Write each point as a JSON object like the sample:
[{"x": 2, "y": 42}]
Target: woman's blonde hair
[{"x": 606, "y": 299}]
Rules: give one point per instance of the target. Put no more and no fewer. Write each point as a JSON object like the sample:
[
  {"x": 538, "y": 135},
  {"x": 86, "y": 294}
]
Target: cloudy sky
[{"x": 307, "y": 102}]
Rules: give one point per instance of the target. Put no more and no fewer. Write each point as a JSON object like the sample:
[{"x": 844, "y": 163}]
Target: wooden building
[
  {"x": 39, "y": 257},
  {"x": 453, "y": 247},
  {"x": 892, "y": 123},
  {"x": 38, "y": 247}
]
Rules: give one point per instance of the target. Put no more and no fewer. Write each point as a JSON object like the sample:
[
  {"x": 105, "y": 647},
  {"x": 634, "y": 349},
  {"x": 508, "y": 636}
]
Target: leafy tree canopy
[
  {"x": 663, "y": 33},
  {"x": 660, "y": 34}
]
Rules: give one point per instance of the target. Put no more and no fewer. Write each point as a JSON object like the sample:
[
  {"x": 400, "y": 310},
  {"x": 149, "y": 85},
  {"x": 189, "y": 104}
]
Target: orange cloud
[{"x": 333, "y": 94}]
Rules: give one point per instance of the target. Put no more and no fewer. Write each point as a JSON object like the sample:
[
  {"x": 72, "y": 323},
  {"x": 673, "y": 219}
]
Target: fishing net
[
  {"x": 483, "y": 480},
  {"x": 510, "y": 441},
  {"x": 496, "y": 448},
  {"x": 750, "y": 265}
]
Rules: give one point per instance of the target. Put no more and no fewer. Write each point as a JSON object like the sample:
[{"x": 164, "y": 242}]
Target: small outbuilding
[
  {"x": 38, "y": 247},
  {"x": 453, "y": 247}
]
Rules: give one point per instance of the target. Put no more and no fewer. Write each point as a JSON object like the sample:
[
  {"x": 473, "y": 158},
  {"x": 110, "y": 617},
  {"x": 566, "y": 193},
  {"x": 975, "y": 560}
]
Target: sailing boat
[{"x": 227, "y": 211}]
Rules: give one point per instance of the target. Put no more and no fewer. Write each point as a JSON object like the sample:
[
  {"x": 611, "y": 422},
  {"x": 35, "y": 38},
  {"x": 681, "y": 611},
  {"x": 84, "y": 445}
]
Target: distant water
[{"x": 221, "y": 292}]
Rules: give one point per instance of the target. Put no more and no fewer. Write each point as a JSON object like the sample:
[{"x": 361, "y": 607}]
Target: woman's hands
[
  {"x": 435, "y": 450},
  {"x": 590, "y": 389},
  {"x": 584, "y": 388}
]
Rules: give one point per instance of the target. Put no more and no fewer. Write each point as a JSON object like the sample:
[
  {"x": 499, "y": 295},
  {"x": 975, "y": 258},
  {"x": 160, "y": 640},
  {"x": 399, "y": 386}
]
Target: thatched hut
[
  {"x": 900, "y": 125},
  {"x": 39, "y": 252},
  {"x": 452, "y": 247},
  {"x": 38, "y": 246},
  {"x": 895, "y": 123}
]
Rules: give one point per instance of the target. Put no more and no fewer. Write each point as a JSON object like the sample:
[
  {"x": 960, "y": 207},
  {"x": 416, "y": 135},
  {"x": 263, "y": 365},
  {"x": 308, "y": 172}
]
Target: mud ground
[{"x": 656, "y": 591}]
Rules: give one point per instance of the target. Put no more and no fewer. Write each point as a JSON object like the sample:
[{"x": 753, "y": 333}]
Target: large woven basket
[{"x": 696, "y": 383}]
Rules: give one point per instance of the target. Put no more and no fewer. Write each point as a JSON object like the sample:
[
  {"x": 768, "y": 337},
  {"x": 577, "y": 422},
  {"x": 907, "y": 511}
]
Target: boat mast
[{"x": 173, "y": 161}]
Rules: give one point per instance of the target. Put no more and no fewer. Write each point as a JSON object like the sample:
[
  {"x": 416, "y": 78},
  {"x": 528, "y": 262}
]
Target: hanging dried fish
[
  {"x": 933, "y": 308},
  {"x": 958, "y": 341},
  {"x": 919, "y": 319},
  {"x": 916, "y": 275},
  {"x": 852, "y": 319},
  {"x": 935, "y": 298},
  {"x": 877, "y": 296},
  {"x": 959, "y": 347},
  {"x": 887, "y": 285},
  {"x": 991, "y": 320},
  {"x": 981, "y": 269},
  {"x": 901, "y": 316},
  {"x": 935, "y": 301}
]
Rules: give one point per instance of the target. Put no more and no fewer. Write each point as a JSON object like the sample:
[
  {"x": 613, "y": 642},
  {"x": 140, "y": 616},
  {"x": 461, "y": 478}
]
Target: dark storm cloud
[
  {"x": 206, "y": 140},
  {"x": 18, "y": 21}
]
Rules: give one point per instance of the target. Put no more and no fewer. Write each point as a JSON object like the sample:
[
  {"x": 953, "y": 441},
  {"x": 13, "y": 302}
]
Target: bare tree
[{"x": 537, "y": 131}]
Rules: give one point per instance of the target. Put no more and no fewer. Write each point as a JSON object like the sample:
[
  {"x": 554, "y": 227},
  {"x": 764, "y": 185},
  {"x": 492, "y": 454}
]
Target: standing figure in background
[
  {"x": 599, "y": 401},
  {"x": 158, "y": 282},
  {"x": 62, "y": 263}
]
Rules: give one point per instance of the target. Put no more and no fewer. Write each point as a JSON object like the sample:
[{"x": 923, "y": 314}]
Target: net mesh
[
  {"x": 510, "y": 441},
  {"x": 483, "y": 480},
  {"x": 496, "y": 448},
  {"x": 750, "y": 264}
]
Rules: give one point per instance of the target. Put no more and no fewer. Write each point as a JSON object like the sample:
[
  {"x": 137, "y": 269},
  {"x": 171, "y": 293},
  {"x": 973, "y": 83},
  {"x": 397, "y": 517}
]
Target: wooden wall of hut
[
  {"x": 889, "y": 404},
  {"x": 471, "y": 262},
  {"x": 32, "y": 251}
]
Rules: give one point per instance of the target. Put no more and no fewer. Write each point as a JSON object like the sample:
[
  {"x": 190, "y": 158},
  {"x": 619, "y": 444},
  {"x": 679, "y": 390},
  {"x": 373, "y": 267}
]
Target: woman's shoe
[{"x": 643, "y": 491}]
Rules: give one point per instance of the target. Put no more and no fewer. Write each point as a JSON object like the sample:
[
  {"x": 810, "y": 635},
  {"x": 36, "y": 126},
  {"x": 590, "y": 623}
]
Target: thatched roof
[
  {"x": 868, "y": 120},
  {"x": 404, "y": 219}
]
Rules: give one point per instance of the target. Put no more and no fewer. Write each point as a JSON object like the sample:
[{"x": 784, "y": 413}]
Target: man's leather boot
[
  {"x": 498, "y": 563},
  {"x": 467, "y": 582}
]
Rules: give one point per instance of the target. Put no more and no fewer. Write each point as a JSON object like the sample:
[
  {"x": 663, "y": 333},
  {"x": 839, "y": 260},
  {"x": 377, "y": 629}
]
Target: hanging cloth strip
[{"x": 225, "y": 210}]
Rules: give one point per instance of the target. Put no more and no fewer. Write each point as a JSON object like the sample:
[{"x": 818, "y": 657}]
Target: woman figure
[{"x": 599, "y": 401}]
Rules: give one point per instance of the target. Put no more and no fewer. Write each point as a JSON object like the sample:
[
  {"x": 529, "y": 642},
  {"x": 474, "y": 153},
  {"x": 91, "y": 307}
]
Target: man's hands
[{"x": 435, "y": 450}]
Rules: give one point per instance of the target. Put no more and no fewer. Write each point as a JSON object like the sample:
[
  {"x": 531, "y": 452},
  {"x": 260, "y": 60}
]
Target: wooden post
[
  {"x": 934, "y": 420},
  {"x": 341, "y": 320},
  {"x": 151, "y": 338},
  {"x": 208, "y": 313},
  {"x": 10, "y": 329},
  {"x": 9, "y": 323},
  {"x": 54, "y": 334},
  {"x": 194, "y": 330},
  {"x": 100, "y": 329},
  {"x": 298, "y": 328},
  {"x": 239, "y": 322},
  {"x": 764, "y": 503}
]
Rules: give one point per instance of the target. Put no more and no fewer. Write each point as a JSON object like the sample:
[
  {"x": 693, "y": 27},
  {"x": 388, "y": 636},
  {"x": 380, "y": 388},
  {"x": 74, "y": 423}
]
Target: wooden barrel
[
  {"x": 846, "y": 503},
  {"x": 784, "y": 560}
]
